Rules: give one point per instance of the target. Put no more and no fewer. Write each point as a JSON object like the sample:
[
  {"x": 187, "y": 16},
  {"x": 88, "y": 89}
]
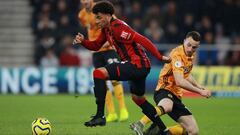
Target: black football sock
[
  {"x": 149, "y": 110},
  {"x": 100, "y": 90}
]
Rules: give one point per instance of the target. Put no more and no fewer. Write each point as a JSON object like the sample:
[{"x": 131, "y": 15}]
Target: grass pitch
[{"x": 67, "y": 113}]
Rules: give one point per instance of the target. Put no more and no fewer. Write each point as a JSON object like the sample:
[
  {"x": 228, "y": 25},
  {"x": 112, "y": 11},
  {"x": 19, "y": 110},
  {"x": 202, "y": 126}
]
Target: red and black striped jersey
[{"x": 127, "y": 42}]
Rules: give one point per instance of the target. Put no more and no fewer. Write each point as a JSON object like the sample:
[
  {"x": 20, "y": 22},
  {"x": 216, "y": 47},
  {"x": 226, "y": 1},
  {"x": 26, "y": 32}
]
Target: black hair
[
  {"x": 195, "y": 35},
  {"x": 104, "y": 7}
]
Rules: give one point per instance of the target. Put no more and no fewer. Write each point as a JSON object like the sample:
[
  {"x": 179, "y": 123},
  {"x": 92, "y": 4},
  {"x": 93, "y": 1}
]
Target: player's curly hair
[
  {"x": 104, "y": 7},
  {"x": 195, "y": 35}
]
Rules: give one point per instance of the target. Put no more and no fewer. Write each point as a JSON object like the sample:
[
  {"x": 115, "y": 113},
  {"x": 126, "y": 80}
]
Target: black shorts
[
  {"x": 101, "y": 59},
  {"x": 126, "y": 71},
  {"x": 179, "y": 109}
]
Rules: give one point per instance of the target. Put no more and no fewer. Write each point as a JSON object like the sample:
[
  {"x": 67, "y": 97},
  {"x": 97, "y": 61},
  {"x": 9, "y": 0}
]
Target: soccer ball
[{"x": 41, "y": 126}]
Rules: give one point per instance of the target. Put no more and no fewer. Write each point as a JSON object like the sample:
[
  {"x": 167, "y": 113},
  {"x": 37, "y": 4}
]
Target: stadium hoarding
[
  {"x": 223, "y": 81},
  {"x": 33, "y": 80}
]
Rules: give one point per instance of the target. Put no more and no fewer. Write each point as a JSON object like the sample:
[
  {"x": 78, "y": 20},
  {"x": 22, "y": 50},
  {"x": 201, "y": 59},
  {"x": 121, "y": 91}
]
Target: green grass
[{"x": 215, "y": 116}]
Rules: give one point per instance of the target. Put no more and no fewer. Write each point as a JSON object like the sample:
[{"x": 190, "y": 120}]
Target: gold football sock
[
  {"x": 109, "y": 102},
  {"x": 177, "y": 130},
  {"x": 118, "y": 92},
  {"x": 145, "y": 120}
]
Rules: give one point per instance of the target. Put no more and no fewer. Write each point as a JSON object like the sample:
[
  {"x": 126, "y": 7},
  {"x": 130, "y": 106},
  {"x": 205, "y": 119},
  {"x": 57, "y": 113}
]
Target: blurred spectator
[
  {"x": 171, "y": 13},
  {"x": 171, "y": 33},
  {"x": 154, "y": 31},
  {"x": 64, "y": 27},
  {"x": 162, "y": 21},
  {"x": 154, "y": 11},
  {"x": 44, "y": 44},
  {"x": 135, "y": 12},
  {"x": 50, "y": 59},
  {"x": 45, "y": 26},
  {"x": 86, "y": 57},
  {"x": 222, "y": 44},
  {"x": 205, "y": 25},
  {"x": 137, "y": 25},
  {"x": 208, "y": 57},
  {"x": 68, "y": 55},
  {"x": 61, "y": 10},
  {"x": 188, "y": 24},
  {"x": 119, "y": 12},
  {"x": 234, "y": 55}
]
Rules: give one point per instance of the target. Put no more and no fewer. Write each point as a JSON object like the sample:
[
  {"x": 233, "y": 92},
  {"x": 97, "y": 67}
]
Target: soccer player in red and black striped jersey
[{"x": 135, "y": 65}]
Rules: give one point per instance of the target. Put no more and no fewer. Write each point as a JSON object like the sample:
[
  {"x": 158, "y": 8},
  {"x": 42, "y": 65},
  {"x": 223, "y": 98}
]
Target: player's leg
[
  {"x": 189, "y": 123},
  {"x": 98, "y": 62},
  {"x": 100, "y": 90},
  {"x": 164, "y": 106},
  {"x": 110, "y": 57},
  {"x": 164, "y": 102},
  {"x": 177, "y": 130},
  {"x": 184, "y": 117},
  {"x": 112, "y": 115},
  {"x": 109, "y": 72},
  {"x": 119, "y": 94},
  {"x": 153, "y": 129},
  {"x": 138, "y": 90},
  {"x": 172, "y": 130}
]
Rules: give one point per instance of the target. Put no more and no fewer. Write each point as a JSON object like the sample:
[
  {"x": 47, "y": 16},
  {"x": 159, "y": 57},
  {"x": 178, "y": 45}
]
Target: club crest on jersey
[
  {"x": 178, "y": 64},
  {"x": 187, "y": 69},
  {"x": 125, "y": 35}
]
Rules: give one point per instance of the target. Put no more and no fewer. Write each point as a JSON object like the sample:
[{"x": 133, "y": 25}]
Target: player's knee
[
  {"x": 167, "y": 109},
  {"x": 192, "y": 130},
  {"x": 166, "y": 104},
  {"x": 139, "y": 100},
  {"x": 115, "y": 83},
  {"x": 100, "y": 74},
  {"x": 160, "y": 110}
]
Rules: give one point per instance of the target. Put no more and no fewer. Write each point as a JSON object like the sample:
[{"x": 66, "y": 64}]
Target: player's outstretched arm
[
  {"x": 185, "y": 84},
  {"x": 147, "y": 44},
  {"x": 91, "y": 45},
  {"x": 191, "y": 79},
  {"x": 205, "y": 92}
]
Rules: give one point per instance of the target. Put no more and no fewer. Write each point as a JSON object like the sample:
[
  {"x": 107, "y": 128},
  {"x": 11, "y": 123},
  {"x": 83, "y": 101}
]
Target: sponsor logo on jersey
[{"x": 125, "y": 35}]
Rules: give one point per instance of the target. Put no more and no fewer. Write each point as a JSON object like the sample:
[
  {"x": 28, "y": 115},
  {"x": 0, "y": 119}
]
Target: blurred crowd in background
[{"x": 55, "y": 23}]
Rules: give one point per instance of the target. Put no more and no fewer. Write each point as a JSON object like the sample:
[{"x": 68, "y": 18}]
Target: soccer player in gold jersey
[
  {"x": 106, "y": 55},
  {"x": 173, "y": 79}
]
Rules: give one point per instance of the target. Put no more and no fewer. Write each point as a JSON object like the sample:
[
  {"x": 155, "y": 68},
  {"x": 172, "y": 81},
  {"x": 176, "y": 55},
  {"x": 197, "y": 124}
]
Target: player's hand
[
  {"x": 78, "y": 39},
  {"x": 166, "y": 59},
  {"x": 205, "y": 93}
]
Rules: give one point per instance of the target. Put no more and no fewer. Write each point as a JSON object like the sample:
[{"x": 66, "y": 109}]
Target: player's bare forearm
[
  {"x": 188, "y": 86},
  {"x": 185, "y": 84},
  {"x": 194, "y": 82},
  {"x": 200, "y": 90}
]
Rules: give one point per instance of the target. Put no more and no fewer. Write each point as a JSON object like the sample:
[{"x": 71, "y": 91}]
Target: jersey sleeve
[
  {"x": 96, "y": 44},
  {"x": 148, "y": 45},
  {"x": 177, "y": 63},
  {"x": 125, "y": 34},
  {"x": 81, "y": 20}
]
